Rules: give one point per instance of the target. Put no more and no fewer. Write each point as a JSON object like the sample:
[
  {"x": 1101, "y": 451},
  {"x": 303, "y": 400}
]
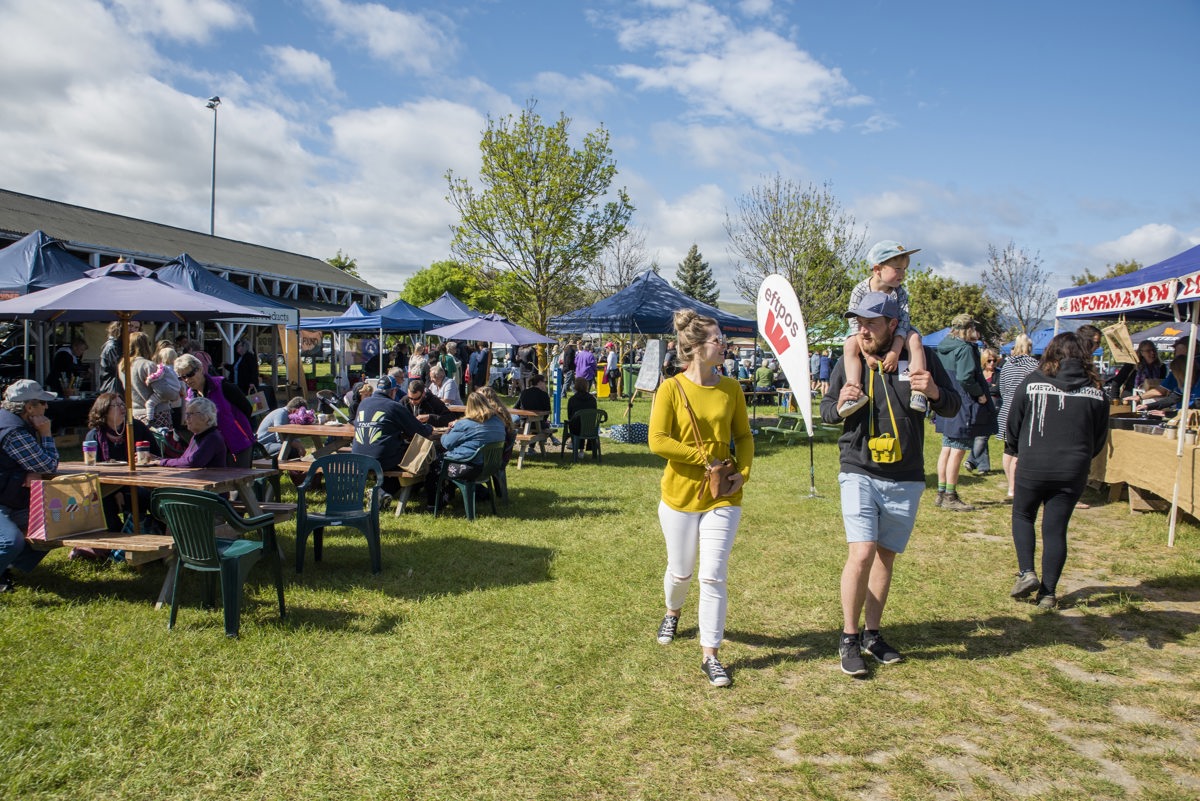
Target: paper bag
[
  {"x": 258, "y": 402},
  {"x": 419, "y": 456},
  {"x": 60, "y": 507},
  {"x": 1117, "y": 337}
]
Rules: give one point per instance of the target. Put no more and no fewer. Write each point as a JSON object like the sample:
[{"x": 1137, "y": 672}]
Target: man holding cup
[{"x": 27, "y": 450}]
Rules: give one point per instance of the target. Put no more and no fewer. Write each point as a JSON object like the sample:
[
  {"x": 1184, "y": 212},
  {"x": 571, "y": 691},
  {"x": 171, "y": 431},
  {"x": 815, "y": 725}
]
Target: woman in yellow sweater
[{"x": 696, "y": 525}]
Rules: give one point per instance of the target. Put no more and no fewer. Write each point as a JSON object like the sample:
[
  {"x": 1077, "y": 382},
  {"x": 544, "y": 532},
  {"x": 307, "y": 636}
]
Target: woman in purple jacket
[
  {"x": 233, "y": 409},
  {"x": 207, "y": 448}
]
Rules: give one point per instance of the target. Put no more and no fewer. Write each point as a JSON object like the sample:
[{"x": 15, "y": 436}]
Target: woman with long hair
[
  {"x": 106, "y": 427},
  {"x": 139, "y": 366},
  {"x": 980, "y": 460},
  {"x": 1019, "y": 364},
  {"x": 1057, "y": 424},
  {"x": 695, "y": 416}
]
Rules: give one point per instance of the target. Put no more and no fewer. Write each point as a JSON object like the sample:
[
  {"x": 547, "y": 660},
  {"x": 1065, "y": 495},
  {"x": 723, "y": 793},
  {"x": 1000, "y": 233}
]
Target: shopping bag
[
  {"x": 60, "y": 507},
  {"x": 258, "y": 402},
  {"x": 419, "y": 456}
]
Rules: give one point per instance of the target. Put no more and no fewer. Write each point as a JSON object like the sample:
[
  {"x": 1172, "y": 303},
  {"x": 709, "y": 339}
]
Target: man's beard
[{"x": 876, "y": 347}]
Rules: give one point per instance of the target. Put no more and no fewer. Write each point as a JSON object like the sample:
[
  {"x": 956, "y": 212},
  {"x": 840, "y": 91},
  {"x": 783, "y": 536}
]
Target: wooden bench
[
  {"x": 407, "y": 482},
  {"x": 139, "y": 548}
]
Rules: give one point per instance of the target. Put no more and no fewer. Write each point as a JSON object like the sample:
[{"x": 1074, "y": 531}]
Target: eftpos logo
[{"x": 779, "y": 324}]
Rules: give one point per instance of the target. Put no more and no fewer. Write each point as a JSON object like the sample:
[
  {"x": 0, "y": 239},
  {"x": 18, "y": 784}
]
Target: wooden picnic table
[
  {"x": 326, "y": 437},
  {"x": 791, "y": 427},
  {"x": 114, "y": 475}
]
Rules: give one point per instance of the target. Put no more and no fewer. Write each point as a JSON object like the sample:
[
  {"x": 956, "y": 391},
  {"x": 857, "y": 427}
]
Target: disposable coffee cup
[{"x": 89, "y": 453}]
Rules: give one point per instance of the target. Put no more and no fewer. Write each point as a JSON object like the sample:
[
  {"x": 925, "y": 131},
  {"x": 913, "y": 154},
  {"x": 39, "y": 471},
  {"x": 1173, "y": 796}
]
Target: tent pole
[{"x": 1181, "y": 432}]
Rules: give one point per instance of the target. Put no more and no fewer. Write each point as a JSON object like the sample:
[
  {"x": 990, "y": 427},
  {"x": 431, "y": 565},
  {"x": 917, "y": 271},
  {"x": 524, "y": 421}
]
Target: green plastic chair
[
  {"x": 192, "y": 517},
  {"x": 589, "y": 421},
  {"x": 493, "y": 462},
  {"x": 348, "y": 502}
]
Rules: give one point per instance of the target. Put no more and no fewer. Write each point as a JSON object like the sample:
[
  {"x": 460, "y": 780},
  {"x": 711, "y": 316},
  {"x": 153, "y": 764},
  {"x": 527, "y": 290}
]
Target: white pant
[{"x": 709, "y": 536}]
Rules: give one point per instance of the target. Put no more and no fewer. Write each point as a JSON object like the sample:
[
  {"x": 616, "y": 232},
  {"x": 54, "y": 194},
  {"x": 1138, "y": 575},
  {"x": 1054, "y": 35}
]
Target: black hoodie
[{"x": 1056, "y": 424}]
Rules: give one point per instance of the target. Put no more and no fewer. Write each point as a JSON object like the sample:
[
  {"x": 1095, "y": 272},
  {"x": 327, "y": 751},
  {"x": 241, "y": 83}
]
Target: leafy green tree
[
  {"x": 694, "y": 278},
  {"x": 802, "y": 233},
  {"x": 540, "y": 217},
  {"x": 344, "y": 263},
  {"x": 934, "y": 300},
  {"x": 1111, "y": 271}
]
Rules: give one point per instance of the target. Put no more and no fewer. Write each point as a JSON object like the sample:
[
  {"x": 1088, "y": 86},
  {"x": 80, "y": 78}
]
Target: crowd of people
[{"x": 1051, "y": 414}]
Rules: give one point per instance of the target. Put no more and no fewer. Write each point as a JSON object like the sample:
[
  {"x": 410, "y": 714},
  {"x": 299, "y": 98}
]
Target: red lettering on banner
[
  {"x": 1122, "y": 299},
  {"x": 775, "y": 335}
]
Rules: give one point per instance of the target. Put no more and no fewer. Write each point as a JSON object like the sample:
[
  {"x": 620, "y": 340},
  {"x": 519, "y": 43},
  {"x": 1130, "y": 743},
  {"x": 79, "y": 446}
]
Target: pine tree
[{"x": 694, "y": 278}]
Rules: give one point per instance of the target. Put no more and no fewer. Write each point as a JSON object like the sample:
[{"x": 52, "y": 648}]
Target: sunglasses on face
[{"x": 186, "y": 376}]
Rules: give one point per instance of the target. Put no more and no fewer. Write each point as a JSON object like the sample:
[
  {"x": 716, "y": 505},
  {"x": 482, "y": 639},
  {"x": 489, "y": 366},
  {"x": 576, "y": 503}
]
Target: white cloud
[
  {"x": 714, "y": 147},
  {"x": 728, "y": 73},
  {"x": 302, "y": 66},
  {"x": 407, "y": 41},
  {"x": 1148, "y": 244},
  {"x": 877, "y": 123},
  {"x": 887, "y": 205},
  {"x": 183, "y": 20},
  {"x": 584, "y": 90}
]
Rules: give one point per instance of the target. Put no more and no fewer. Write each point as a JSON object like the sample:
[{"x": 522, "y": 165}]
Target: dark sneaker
[
  {"x": 876, "y": 646},
  {"x": 715, "y": 671},
  {"x": 850, "y": 650},
  {"x": 667, "y": 629},
  {"x": 918, "y": 402},
  {"x": 850, "y": 407},
  {"x": 6, "y": 582},
  {"x": 1027, "y": 582},
  {"x": 1047, "y": 602},
  {"x": 954, "y": 503}
]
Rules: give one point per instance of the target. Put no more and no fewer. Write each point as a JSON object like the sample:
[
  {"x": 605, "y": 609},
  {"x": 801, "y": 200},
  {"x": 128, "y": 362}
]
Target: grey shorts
[{"x": 879, "y": 511}]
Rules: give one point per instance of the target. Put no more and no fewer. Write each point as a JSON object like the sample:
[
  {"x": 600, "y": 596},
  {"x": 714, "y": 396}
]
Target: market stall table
[{"x": 1147, "y": 462}]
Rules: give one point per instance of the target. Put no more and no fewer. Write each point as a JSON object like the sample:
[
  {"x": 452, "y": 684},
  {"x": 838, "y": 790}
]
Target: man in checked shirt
[{"x": 26, "y": 451}]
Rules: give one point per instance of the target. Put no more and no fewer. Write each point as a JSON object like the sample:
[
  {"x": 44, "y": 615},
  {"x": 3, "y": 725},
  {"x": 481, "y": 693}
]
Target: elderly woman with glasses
[
  {"x": 207, "y": 448},
  {"x": 233, "y": 410}
]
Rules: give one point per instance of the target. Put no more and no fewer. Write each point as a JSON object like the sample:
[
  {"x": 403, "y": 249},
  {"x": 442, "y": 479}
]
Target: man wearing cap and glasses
[
  {"x": 26, "y": 451},
  {"x": 383, "y": 427},
  {"x": 881, "y": 474}
]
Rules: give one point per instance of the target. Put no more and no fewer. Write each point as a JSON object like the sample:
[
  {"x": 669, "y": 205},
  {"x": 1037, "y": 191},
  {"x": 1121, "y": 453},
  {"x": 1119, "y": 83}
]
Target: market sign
[{"x": 1125, "y": 299}]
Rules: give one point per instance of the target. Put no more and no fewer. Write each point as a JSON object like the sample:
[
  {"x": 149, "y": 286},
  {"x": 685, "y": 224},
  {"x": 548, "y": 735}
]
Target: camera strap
[{"x": 887, "y": 398}]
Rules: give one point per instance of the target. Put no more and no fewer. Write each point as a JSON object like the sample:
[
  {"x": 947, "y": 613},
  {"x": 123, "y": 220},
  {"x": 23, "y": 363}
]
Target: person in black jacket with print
[{"x": 1057, "y": 424}]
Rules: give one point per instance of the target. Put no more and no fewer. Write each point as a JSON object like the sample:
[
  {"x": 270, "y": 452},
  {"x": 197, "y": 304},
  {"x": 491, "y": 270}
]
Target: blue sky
[{"x": 1068, "y": 127}]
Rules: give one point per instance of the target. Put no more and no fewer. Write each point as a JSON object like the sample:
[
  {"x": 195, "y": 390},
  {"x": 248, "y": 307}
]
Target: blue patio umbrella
[{"x": 121, "y": 291}]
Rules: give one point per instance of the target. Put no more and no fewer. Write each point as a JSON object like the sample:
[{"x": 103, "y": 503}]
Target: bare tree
[
  {"x": 1017, "y": 284},
  {"x": 622, "y": 259},
  {"x": 781, "y": 227}
]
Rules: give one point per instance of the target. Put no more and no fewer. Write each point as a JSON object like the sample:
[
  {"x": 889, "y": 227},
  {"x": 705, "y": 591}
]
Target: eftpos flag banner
[{"x": 782, "y": 325}]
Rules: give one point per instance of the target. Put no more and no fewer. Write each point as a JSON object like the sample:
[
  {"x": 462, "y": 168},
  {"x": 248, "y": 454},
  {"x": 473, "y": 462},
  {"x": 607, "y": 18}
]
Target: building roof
[{"x": 98, "y": 231}]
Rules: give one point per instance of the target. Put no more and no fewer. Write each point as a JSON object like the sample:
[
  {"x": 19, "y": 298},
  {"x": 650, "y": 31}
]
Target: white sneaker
[
  {"x": 918, "y": 402},
  {"x": 850, "y": 407}
]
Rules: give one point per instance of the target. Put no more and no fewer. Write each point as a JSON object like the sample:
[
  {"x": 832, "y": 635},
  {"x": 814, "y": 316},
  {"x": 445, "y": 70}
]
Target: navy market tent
[
  {"x": 1148, "y": 293},
  {"x": 646, "y": 306},
  {"x": 1163, "y": 335},
  {"x": 451, "y": 308},
  {"x": 403, "y": 316},
  {"x": 37, "y": 262},
  {"x": 185, "y": 271}
]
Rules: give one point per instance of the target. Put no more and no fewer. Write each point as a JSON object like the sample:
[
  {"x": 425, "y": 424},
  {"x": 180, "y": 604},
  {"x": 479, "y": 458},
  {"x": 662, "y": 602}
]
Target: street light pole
[{"x": 213, "y": 102}]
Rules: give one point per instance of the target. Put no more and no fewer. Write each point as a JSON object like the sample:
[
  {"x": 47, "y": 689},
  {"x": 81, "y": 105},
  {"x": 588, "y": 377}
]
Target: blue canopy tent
[
  {"x": 185, "y": 271},
  {"x": 451, "y": 308},
  {"x": 398, "y": 317},
  {"x": 931, "y": 340},
  {"x": 646, "y": 306},
  {"x": 32, "y": 263}
]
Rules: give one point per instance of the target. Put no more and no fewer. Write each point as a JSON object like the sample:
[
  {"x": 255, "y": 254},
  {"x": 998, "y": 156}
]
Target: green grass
[{"x": 514, "y": 658}]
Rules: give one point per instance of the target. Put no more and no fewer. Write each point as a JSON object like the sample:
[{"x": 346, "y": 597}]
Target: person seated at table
[
  {"x": 510, "y": 431},
  {"x": 535, "y": 398},
  {"x": 107, "y": 428},
  {"x": 361, "y": 390},
  {"x": 764, "y": 379},
  {"x": 279, "y": 417},
  {"x": 233, "y": 408},
  {"x": 582, "y": 399},
  {"x": 207, "y": 448},
  {"x": 26, "y": 451},
  {"x": 481, "y": 425},
  {"x": 1168, "y": 395},
  {"x": 383, "y": 429},
  {"x": 441, "y": 385},
  {"x": 425, "y": 406}
]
